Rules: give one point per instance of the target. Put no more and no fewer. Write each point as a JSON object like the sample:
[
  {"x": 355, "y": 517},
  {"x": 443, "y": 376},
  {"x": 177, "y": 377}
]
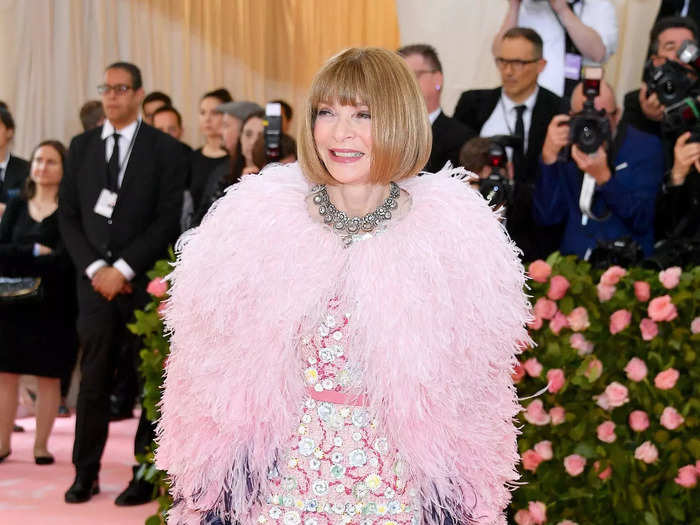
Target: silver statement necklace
[{"x": 349, "y": 226}]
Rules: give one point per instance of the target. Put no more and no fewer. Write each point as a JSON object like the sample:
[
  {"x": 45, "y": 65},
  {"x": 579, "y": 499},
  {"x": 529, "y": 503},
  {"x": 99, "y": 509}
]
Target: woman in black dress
[
  {"x": 38, "y": 338},
  {"x": 206, "y": 159}
]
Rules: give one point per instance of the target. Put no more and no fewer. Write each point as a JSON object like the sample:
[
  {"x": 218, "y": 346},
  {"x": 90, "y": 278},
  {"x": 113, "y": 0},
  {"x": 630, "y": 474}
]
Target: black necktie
[
  {"x": 113, "y": 165},
  {"x": 519, "y": 153}
]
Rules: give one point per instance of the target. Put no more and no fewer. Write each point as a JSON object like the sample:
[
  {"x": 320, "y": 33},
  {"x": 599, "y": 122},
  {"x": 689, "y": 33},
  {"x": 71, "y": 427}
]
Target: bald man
[{"x": 625, "y": 176}]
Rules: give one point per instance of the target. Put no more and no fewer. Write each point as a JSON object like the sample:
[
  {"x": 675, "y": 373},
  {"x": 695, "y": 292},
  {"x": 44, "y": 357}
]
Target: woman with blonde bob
[{"x": 354, "y": 368}]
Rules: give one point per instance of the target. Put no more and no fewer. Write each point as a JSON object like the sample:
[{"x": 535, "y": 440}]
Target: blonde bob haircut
[{"x": 381, "y": 80}]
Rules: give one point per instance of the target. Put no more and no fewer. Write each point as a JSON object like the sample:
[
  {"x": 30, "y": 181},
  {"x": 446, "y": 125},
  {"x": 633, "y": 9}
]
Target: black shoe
[
  {"x": 82, "y": 490},
  {"x": 4, "y": 456},
  {"x": 44, "y": 460},
  {"x": 138, "y": 492},
  {"x": 17, "y": 428}
]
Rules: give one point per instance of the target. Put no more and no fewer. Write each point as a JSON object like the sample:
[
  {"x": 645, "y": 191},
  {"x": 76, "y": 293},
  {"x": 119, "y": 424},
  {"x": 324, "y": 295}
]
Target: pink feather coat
[{"x": 438, "y": 311}]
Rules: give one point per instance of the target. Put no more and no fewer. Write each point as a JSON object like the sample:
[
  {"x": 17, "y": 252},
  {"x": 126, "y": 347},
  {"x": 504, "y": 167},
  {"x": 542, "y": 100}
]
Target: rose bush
[{"x": 623, "y": 376}]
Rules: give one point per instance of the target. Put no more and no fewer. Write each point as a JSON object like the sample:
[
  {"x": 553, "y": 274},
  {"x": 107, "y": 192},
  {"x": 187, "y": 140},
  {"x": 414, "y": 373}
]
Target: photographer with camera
[
  {"x": 574, "y": 31},
  {"x": 666, "y": 80},
  {"x": 622, "y": 174}
]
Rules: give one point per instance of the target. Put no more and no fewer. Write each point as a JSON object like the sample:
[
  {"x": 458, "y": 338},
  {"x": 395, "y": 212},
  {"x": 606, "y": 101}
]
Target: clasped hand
[{"x": 109, "y": 282}]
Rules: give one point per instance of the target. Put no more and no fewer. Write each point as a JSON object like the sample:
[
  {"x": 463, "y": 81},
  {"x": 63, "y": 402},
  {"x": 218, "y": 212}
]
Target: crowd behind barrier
[{"x": 568, "y": 170}]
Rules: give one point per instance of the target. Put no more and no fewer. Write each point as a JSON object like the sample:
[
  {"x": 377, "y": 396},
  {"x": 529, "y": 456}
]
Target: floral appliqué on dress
[{"x": 338, "y": 468}]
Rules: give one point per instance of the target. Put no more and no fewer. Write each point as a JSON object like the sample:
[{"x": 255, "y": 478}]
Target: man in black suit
[
  {"x": 13, "y": 170},
  {"x": 119, "y": 208},
  {"x": 643, "y": 110},
  {"x": 448, "y": 134},
  {"x": 520, "y": 108}
]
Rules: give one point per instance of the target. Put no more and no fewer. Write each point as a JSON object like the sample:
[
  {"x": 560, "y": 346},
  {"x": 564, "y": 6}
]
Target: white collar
[
  {"x": 5, "y": 162},
  {"x": 529, "y": 103},
  {"x": 126, "y": 132},
  {"x": 434, "y": 115}
]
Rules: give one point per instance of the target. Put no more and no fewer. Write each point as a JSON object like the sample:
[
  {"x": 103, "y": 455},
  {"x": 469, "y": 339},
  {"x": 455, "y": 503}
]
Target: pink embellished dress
[{"x": 337, "y": 467}]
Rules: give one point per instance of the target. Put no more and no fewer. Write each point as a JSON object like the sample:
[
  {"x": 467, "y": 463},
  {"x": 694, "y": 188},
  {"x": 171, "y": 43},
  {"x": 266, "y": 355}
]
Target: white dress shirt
[
  {"x": 504, "y": 115},
  {"x": 125, "y": 138},
  {"x": 3, "y": 166},
  {"x": 538, "y": 15},
  {"x": 434, "y": 115}
]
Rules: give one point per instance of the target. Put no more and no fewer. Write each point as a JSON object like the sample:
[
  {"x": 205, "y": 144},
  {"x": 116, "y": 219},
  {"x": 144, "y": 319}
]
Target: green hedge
[{"x": 589, "y": 325}]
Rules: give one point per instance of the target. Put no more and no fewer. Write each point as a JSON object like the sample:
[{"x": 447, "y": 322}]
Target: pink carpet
[{"x": 33, "y": 495}]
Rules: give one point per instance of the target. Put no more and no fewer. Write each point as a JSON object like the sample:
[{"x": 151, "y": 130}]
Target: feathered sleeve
[{"x": 454, "y": 405}]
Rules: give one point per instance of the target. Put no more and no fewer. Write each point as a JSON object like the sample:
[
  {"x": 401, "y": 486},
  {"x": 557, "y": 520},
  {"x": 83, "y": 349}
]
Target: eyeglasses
[
  {"x": 517, "y": 63},
  {"x": 119, "y": 89}
]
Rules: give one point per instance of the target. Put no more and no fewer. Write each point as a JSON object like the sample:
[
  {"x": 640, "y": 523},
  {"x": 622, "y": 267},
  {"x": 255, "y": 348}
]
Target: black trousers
[{"x": 103, "y": 336}]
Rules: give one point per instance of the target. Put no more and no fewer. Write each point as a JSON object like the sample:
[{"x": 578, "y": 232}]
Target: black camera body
[
  {"x": 273, "y": 131},
  {"x": 497, "y": 188},
  {"x": 669, "y": 81},
  {"x": 589, "y": 128}
]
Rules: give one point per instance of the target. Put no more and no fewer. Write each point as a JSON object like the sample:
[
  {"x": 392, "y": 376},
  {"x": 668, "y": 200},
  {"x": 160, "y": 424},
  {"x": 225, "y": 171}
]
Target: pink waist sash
[{"x": 331, "y": 396}]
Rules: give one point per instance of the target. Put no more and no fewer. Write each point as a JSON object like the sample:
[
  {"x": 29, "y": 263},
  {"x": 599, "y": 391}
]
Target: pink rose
[
  {"x": 555, "y": 380},
  {"x": 539, "y": 271},
  {"x": 670, "y": 277},
  {"x": 544, "y": 449},
  {"x": 157, "y": 287},
  {"x": 646, "y": 452},
  {"x": 687, "y": 476},
  {"x": 636, "y": 369},
  {"x": 606, "y": 432},
  {"x": 574, "y": 464},
  {"x": 662, "y": 309},
  {"x": 559, "y": 322},
  {"x": 578, "y": 319},
  {"x": 533, "y": 367},
  {"x": 557, "y": 415},
  {"x": 649, "y": 329},
  {"x": 605, "y": 474},
  {"x": 538, "y": 511},
  {"x": 545, "y": 309},
  {"x": 695, "y": 326},
  {"x": 518, "y": 372},
  {"x": 615, "y": 395},
  {"x": 619, "y": 321},
  {"x": 667, "y": 379},
  {"x": 613, "y": 275},
  {"x": 536, "y": 414},
  {"x": 558, "y": 286},
  {"x": 671, "y": 418},
  {"x": 638, "y": 420},
  {"x": 578, "y": 342},
  {"x": 535, "y": 324},
  {"x": 594, "y": 370},
  {"x": 531, "y": 460},
  {"x": 605, "y": 292},
  {"x": 642, "y": 291},
  {"x": 523, "y": 517}
]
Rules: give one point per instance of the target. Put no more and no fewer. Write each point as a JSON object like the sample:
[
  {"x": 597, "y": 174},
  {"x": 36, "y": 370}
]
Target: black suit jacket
[
  {"x": 146, "y": 216},
  {"x": 473, "y": 109},
  {"x": 15, "y": 175},
  {"x": 448, "y": 137},
  {"x": 674, "y": 7}
]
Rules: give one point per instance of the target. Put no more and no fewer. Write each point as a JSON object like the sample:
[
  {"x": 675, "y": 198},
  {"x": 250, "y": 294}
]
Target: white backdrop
[{"x": 54, "y": 51}]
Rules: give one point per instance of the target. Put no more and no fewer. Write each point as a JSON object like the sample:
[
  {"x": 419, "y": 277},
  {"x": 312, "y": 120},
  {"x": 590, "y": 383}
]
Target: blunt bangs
[{"x": 379, "y": 79}]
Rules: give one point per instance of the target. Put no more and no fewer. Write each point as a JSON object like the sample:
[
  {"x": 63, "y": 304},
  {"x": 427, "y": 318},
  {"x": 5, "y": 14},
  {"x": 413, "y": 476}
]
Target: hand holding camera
[
  {"x": 595, "y": 164},
  {"x": 651, "y": 107},
  {"x": 685, "y": 155},
  {"x": 557, "y": 138}
]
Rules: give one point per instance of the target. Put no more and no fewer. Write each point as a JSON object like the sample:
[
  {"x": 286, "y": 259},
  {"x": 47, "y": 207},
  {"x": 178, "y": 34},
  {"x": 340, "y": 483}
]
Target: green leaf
[{"x": 650, "y": 519}]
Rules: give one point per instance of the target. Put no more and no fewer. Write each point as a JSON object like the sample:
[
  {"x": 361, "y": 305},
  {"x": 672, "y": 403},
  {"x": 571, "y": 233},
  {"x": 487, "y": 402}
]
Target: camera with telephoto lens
[
  {"x": 623, "y": 252},
  {"x": 497, "y": 188},
  {"x": 684, "y": 114},
  {"x": 590, "y": 128},
  {"x": 273, "y": 131}
]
